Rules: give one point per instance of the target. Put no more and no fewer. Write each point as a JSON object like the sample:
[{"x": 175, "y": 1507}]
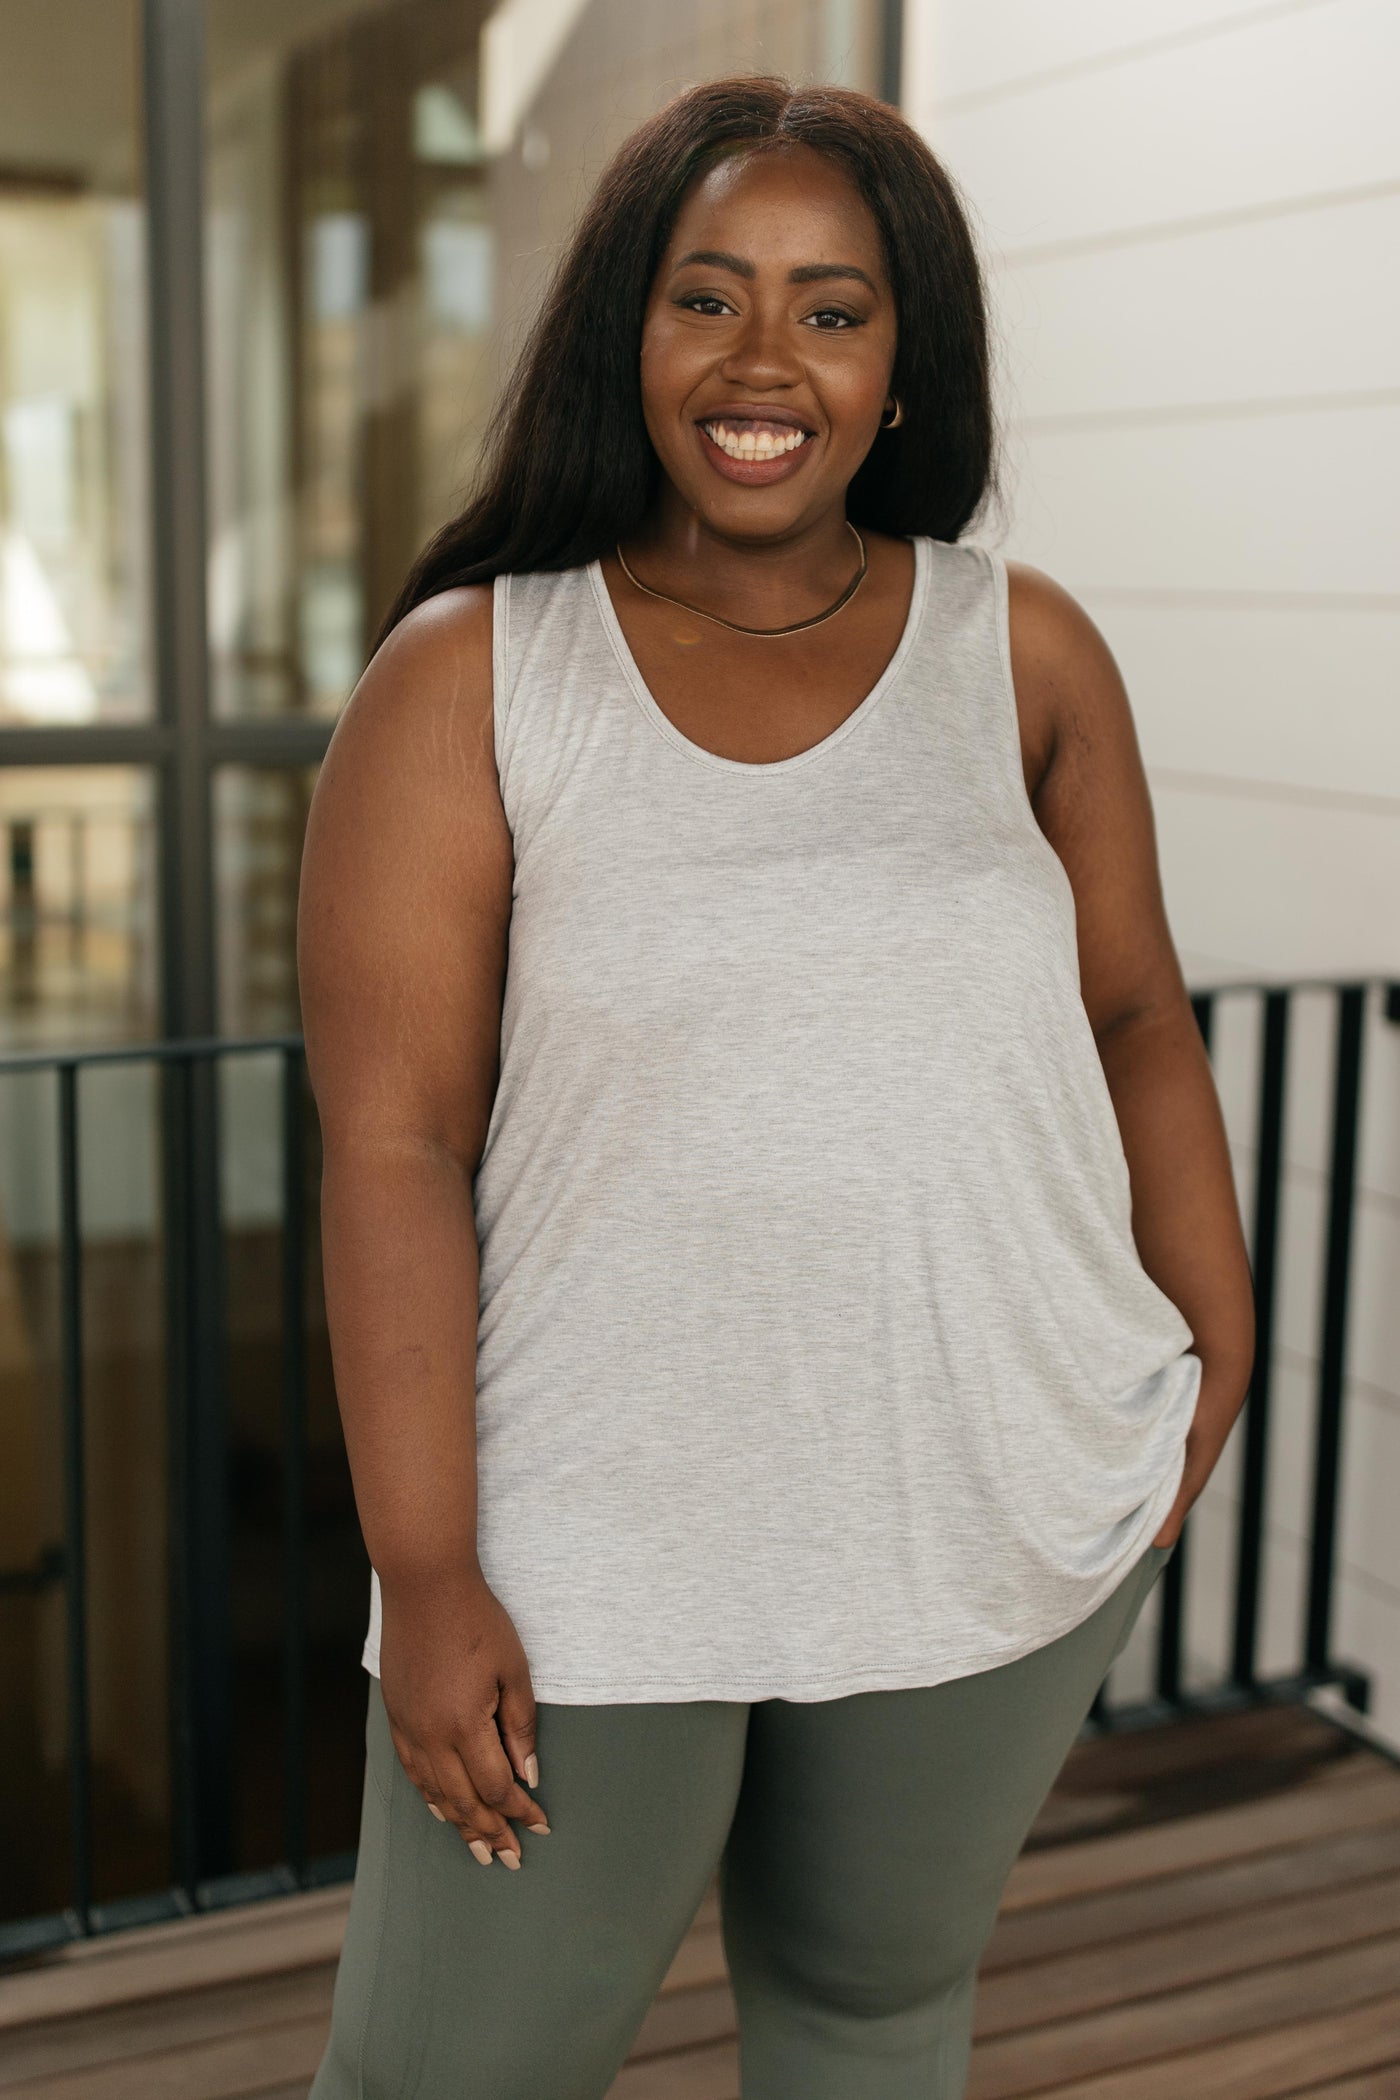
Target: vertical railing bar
[
  {"x": 212, "y": 1656},
  {"x": 294, "y": 1456},
  {"x": 1346, "y": 1099},
  {"x": 75, "y": 1495},
  {"x": 177, "y": 1123},
  {"x": 1203, "y": 1007},
  {"x": 1264, "y": 1266},
  {"x": 1171, "y": 1623}
]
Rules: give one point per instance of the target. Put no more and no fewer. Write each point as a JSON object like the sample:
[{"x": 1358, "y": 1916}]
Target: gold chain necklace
[{"x": 797, "y": 625}]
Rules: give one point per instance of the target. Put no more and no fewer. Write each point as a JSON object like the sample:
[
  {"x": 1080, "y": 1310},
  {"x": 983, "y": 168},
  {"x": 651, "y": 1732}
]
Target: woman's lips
[{"x": 755, "y": 472}]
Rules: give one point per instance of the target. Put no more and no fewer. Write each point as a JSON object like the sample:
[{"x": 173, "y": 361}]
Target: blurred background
[{"x": 262, "y": 267}]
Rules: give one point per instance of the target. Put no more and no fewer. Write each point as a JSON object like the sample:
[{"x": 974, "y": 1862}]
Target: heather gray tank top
[{"x": 815, "y": 1354}]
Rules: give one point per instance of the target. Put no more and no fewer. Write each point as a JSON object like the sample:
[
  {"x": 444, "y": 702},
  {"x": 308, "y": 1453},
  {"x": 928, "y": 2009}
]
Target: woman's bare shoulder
[
  {"x": 1063, "y": 668},
  {"x": 432, "y": 673},
  {"x": 405, "y": 892}
]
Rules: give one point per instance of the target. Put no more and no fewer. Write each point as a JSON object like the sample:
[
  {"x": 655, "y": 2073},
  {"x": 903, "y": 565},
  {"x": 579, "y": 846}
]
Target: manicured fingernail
[
  {"x": 481, "y": 1849},
  {"x": 532, "y": 1771},
  {"x": 434, "y": 1811},
  {"x": 543, "y": 1828},
  {"x": 509, "y": 1858}
]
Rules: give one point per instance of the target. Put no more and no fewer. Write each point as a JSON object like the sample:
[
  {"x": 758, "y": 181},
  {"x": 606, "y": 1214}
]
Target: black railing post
[
  {"x": 294, "y": 1452},
  {"x": 1264, "y": 1266},
  {"x": 74, "y": 1493},
  {"x": 200, "y": 1632},
  {"x": 1346, "y": 1099}
]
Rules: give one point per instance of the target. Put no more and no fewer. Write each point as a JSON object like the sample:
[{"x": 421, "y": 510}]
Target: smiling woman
[
  {"x": 735, "y": 976},
  {"x": 895, "y": 270}
]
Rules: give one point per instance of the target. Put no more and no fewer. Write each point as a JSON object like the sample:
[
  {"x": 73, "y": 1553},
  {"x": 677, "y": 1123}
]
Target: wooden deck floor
[{"x": 1209, "y": 1910}]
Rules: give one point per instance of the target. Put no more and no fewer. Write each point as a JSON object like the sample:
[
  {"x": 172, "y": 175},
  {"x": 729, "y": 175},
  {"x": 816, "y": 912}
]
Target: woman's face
[{"x": 770, "y": 322}]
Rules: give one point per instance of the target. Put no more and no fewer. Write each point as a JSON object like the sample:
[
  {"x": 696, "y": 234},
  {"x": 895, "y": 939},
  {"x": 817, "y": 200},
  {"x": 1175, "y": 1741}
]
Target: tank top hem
[{"x": 625, "y": 1691}]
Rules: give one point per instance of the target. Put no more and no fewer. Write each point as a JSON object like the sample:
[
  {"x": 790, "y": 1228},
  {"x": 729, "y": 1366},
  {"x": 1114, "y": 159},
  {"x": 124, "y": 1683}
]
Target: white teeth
[{"x": 749, "y": 444}]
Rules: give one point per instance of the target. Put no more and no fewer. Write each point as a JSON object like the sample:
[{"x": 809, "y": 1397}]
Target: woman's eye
[{"x": 697, "y": 300}]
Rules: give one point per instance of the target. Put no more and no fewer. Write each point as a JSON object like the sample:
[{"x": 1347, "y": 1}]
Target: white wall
[{"x": 1191, "y": 213}]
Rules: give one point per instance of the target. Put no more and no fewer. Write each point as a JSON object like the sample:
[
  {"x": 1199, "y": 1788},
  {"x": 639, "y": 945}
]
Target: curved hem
[{"x": 875, "y": 1677}]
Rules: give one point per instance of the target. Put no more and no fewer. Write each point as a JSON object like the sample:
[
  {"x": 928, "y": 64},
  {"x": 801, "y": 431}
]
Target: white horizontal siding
[
  {"x": 1281, "y": 696},
  {"x": 1278, "y": 505},
  {"x": 1274, "y": 108},
  {"x": 1296, "y": 308},
  {"x": 1286, "y": 888},
  {"x": 1189, "y": 210},
  {"x": 1001, "y": 44}
]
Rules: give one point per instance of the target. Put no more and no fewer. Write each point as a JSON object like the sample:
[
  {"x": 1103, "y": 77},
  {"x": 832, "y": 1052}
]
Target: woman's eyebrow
[{"x": 803, "y": 273}]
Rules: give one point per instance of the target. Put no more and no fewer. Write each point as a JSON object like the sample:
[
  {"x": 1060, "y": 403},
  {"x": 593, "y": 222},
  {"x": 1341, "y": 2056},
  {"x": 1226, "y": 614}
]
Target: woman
[{"x": 737, "y": 987}]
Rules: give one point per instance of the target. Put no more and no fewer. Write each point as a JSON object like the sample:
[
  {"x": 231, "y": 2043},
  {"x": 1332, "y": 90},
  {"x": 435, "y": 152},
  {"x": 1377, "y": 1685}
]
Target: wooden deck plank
[
  {"x": 1252, "y": 1739},
  {"x": 1382, "y": 2084},
  {"x": 1132, "y": 1777},
  {"x": 182, "y": 2002},
  {"x": 1150, "y": 1906},
  {"x": 1124, "y": 2040},
  {"x": 1186, "y": 1956},
  {"x": 153, "y": 2025},
  {"x": 232, "y": 2068},
  {"x": 1324, "y": 1805},
  {"x": 255, "y": 1939},
  {"x": 1262, "y": 2066}
]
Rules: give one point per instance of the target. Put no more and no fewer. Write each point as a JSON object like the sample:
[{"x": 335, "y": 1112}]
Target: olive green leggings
[{"x": 862, "y": 1844}]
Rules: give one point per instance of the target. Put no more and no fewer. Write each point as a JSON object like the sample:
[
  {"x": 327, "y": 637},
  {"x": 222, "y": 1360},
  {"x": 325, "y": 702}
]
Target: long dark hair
[{"x": 567, "y": 466}]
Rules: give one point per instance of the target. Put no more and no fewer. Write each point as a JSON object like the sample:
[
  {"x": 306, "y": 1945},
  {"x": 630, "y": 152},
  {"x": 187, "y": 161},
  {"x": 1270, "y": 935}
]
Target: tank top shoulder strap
[
  {"x": 963, "y": 675},
  {"x": 540, "y": 661},
  {"x": 500, "y": 654}
]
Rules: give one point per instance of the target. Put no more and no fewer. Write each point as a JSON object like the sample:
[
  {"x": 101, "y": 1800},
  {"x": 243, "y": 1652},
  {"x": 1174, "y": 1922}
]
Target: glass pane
[
  {"x": 386, "y": 190},
  {"x": 73, "y": 552},
  {"x": 78, "y": 960},
  {"x": 259, "y": 825},
  {"x": 350, "y": 269}
]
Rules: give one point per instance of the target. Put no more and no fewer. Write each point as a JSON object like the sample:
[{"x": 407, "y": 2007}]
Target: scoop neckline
[{"x": 756, "y": 768}]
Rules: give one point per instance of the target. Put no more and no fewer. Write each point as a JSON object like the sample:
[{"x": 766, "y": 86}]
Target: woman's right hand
[{"x": 457, "y": 1693}]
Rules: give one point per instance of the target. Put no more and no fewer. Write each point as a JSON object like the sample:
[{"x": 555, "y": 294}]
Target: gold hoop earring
[{"x": 897, "y": 418}]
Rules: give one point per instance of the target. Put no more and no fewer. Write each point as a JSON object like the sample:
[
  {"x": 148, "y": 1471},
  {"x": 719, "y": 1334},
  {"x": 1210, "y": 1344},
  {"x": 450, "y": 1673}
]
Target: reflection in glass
[
  {"x": 259, "y": 825},
  {"x": 73, "y": 559},
  {"x": 350, "y": 286},
  {"x": 387, "y": 186},
  {"x": 77, "y": 906}
]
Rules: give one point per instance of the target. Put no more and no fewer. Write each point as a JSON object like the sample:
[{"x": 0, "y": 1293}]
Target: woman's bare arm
[
  {"x": 1090, "y": 797},
  {"x": 401, "y": 952}
]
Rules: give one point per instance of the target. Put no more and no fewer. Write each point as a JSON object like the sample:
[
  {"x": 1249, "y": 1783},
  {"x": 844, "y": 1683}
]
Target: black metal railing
[
  {"x": 205, "y": 1872},
  {"x": 1317, "y": 1665}
]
